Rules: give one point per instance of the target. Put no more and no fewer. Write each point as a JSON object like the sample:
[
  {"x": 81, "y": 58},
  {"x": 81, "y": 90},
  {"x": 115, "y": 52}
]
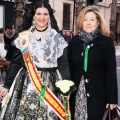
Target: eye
[
  {"x": 38, "y": 13},
  {"x": 46, "y": 14},
  {"x": 92, "y": 19},
  {"x": 85, "y": 19}
]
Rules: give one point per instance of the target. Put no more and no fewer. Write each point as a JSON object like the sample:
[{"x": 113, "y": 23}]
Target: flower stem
[{"x": 66, "y": 103}]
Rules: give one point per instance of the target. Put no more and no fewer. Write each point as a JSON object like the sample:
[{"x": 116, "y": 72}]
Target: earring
[
  {"x": 33, "y": 22},
  {"x": 49, "y": 23}
]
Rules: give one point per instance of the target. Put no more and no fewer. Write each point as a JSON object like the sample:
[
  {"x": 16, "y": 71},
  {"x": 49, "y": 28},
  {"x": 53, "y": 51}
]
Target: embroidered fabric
[
  {"x": 24, "y": 105},
  {"x": 81, "y": 102},
  {"x": 45, "y": 52}
]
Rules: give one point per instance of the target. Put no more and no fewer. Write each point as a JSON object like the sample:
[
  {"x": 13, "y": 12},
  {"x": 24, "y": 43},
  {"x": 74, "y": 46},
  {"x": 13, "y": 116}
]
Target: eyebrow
[
  {"x": 43, "y": 12},
  {"x": 91, "y": 17}
]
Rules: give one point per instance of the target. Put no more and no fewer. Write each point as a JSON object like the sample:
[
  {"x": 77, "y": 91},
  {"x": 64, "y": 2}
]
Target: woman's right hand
[{"x": 3, "y": 92}]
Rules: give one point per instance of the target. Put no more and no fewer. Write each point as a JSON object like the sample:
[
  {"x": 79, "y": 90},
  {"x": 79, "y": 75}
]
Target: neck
[{"x": 41, "y": 30}]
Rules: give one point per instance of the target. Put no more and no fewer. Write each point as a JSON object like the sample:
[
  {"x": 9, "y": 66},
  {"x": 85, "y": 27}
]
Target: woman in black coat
[{"x": 93, "y": 67}]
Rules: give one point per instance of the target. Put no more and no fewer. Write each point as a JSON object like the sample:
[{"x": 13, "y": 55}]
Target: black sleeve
[
  {"x": 111, "y": 77},
  {"x": 10, "y": 50},
  {"x": 15, "y": 65},
  {"x": 70, "y": 61},
  {"x": 63, "y": 65}
]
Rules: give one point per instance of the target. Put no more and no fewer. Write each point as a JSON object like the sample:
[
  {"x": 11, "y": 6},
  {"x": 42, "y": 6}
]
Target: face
[
  {"x": 9, "y": 31},
  {"x": 41, "y": 17},
  {"x": 90, "y": 22},
  {"x": 67, "y": 33}
]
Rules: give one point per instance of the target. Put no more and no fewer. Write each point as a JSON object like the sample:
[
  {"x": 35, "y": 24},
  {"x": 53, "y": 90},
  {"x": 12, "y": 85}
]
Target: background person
[
  {"x": 93, "y": 67},
  {"x": 48, "y": 51},
  {"x": 9, "y": 35},
  {"x": 116, "y": 36},
  {"x": 3, "y": 61},
  {"x": 67, "y": 37}
]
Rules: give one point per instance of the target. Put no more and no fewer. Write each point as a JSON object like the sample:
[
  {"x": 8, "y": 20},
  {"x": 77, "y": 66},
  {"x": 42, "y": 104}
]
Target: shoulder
[
  {"x": 57, "y": 35},
  {"x": 106, "y": 40},
  {"x": 75, "y": 40},
  {"x": 75, "y": 37}
]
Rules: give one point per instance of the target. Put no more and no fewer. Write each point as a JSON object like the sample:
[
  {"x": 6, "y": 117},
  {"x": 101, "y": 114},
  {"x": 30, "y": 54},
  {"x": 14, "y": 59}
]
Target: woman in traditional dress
[
  {"x": 93, "y": 67},
  {"x": 34, "y": 90}
]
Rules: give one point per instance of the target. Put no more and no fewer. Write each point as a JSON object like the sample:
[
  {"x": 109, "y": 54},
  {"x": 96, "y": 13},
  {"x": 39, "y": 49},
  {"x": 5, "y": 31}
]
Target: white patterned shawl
[{"x": 45, "y": 52}]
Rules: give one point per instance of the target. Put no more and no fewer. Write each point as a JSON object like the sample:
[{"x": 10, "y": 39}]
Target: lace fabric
[
  {"x": 81, "y": 102},
  {"x": 45, "y": 52}
]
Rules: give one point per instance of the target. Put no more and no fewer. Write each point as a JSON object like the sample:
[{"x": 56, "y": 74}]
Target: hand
[
  {"x": 112, "y": 106},
  {"x": 3, "y": 92}
]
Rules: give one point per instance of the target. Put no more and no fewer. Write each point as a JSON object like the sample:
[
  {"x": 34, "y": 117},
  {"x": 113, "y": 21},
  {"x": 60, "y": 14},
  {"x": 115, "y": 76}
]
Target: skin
[
  {"x": 41, "y": 18},
  {"x": 90, "y": 23},
  {"x": 9, "y": 31},
  {"x": 4, "y": 63}
]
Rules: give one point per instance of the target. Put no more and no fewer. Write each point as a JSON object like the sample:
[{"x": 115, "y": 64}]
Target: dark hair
[
  {"x": 11, "y": 23},
  {"x": 45, "y": 4},
  {"x": 8, "y": 27}
]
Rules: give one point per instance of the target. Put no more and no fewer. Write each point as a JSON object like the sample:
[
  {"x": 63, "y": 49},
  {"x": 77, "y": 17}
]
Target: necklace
[{"x": 41, "y": 30}]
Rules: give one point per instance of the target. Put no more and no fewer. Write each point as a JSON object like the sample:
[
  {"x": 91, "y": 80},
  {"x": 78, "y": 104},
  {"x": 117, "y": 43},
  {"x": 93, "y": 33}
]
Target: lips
[{"x": 42, "y": 21}]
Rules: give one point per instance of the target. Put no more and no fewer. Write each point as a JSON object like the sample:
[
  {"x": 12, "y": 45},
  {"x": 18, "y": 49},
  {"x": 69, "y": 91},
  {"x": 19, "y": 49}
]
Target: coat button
[
  {"x": 87, "y": 80},
  {"x": 82, "y": 54},
  {"x": 88, "y": 94}
]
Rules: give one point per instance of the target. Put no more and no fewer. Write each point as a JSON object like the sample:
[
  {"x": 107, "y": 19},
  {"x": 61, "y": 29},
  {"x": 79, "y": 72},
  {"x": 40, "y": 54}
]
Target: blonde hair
[{"x": 100, "y": 19}]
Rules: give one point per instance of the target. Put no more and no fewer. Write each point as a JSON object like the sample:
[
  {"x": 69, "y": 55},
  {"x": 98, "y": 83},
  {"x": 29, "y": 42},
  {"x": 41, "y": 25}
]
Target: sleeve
[
  {"x": 61, "y": 44},
  {"x": 63, "y": 66},
  {"x": 15, "y": 65},
  {"x": 70, "y": 60},
  {"x": 111, "y": 77}
]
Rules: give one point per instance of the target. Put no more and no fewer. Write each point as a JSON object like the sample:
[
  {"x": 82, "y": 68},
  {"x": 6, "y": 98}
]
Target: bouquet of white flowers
[{"x": 65, "y": 88}]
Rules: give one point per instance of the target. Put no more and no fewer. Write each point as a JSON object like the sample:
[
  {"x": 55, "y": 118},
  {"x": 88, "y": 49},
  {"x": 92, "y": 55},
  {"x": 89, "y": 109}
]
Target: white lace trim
[{"x": 45, "y": 52}]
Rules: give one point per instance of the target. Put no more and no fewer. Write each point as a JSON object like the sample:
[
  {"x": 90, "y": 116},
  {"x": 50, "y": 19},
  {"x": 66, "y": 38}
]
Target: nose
[
  {"x": 88, "y": 22},
  {"x": 41, "y": 16}
]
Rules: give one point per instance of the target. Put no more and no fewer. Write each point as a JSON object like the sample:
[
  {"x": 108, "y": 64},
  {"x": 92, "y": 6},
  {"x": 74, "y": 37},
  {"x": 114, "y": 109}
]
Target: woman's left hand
[{"x": 112, "y": 106}]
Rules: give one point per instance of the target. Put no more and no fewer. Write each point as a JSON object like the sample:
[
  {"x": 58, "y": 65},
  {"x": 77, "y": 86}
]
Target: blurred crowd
[{"x": 7, "y": 37}]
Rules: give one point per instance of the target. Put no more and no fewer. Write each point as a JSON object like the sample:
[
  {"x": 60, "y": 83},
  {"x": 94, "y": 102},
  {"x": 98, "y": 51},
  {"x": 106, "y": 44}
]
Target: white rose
[
  {"x": 65, "y": 89},
  {"x": 64, "y": 85}
]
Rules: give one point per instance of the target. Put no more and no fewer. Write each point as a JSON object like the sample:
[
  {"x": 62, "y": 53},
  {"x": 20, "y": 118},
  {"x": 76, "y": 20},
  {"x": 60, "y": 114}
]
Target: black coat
[{"x": 101, "y": 83}]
